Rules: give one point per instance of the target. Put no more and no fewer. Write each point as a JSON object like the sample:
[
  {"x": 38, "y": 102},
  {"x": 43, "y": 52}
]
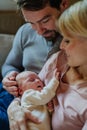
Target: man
[
  {"x": 33, "y": 42},
  {"x": 31, "y": 45}
]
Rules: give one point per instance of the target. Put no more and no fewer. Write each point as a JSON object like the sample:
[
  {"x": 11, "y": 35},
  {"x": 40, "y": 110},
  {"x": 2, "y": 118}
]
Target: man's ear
[{"x": 64, "y": 4}]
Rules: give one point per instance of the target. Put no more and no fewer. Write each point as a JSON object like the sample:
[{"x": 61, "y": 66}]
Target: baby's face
[{"x": 32, "y": 81}]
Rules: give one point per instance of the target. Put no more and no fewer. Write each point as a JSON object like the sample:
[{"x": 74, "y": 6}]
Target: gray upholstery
[
  {"x": 6, "y": 41},
  {"x": 10, "y": 21}
]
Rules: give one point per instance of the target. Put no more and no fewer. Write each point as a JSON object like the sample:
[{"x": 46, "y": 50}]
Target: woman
[{"x": 71, "y": 111}]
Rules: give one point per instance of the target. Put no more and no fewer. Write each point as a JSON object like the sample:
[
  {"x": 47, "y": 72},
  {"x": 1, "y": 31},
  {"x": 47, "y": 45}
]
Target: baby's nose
[{"x": 37, "y": 80}]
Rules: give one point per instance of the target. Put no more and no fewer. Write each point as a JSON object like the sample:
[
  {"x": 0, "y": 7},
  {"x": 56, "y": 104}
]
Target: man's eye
[{"x": 45, "y": 20}]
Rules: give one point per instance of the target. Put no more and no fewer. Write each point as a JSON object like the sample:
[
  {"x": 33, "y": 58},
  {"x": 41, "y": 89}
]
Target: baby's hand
[
  {"x": 56, "y": 74},
  {"x": 50, "y": 106}
]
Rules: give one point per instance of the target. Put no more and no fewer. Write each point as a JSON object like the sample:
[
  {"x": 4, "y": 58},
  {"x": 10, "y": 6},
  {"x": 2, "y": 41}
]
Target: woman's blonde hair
[{"x": 74, "y": 20}]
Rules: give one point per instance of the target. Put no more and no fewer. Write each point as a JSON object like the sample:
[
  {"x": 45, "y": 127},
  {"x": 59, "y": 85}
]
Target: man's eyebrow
[{"x": 45, "y": 17}]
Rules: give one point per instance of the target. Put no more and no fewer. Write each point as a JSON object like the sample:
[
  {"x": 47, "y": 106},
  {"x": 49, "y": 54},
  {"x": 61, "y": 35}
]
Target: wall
[
  {"x": 11, "y": 5},
  {"x": 7, "y": 5},
  {"x": 10, "y": 19}
]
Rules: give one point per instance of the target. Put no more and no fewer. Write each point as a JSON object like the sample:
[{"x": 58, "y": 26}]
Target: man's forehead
[{"x": 34, "y": 16}]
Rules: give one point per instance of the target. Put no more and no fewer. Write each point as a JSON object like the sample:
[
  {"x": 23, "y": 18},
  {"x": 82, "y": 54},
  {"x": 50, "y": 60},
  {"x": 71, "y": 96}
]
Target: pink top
[{"x": 71, "y": 111}]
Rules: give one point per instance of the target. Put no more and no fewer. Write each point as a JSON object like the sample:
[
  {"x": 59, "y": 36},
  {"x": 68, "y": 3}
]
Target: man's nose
[{"x": 39, "y": 28}]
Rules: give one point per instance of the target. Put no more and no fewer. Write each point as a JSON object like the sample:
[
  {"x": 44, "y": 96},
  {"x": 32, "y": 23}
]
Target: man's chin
[{"x": 49, "y": 38}]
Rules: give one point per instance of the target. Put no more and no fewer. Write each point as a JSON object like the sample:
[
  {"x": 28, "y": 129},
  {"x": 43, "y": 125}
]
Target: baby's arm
[{"x": 43, "y": 97}]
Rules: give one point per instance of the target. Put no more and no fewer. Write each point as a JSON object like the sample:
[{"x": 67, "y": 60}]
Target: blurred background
[
  {"x": 10, "y": 4},
  {"x": 7, "y": 5}
]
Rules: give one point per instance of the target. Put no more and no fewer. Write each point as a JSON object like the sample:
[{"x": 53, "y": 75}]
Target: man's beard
[{"x": 52, "y": 37}]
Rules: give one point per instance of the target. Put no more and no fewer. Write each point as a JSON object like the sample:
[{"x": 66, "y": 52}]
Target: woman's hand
[
  {"x": 19, "y": 117},
  {"x": 10, "y": 84}
]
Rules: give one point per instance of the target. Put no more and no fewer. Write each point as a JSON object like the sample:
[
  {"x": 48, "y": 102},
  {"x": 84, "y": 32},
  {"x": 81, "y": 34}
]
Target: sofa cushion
[{"x": 6, "y": 41}]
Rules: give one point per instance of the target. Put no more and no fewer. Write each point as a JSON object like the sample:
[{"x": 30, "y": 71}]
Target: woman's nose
[{"x": 62, "y": 45}]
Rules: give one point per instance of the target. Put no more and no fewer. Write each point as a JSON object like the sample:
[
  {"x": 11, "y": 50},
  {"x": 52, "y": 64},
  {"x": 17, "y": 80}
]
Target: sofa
[{"x": 10, "y": 21}]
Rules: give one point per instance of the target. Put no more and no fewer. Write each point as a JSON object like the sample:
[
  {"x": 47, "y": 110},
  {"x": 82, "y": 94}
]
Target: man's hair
[{"x": 33, "y": 5}]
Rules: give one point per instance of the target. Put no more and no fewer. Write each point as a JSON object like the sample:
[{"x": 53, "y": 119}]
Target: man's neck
[{"x": 56, "y": 46}]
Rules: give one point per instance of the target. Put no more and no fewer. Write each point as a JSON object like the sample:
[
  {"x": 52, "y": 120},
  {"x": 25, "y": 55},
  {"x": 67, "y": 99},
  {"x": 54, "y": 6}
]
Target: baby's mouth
[{"x": 39, "y": 86}]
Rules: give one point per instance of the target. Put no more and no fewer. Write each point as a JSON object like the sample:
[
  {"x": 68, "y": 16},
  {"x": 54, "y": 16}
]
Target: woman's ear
[{"x": 64, "y": 4}]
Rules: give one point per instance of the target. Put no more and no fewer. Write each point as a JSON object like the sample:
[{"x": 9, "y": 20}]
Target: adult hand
[
  {"x": 18, "y": 116},
  {"x": 10, "y": 84}
]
